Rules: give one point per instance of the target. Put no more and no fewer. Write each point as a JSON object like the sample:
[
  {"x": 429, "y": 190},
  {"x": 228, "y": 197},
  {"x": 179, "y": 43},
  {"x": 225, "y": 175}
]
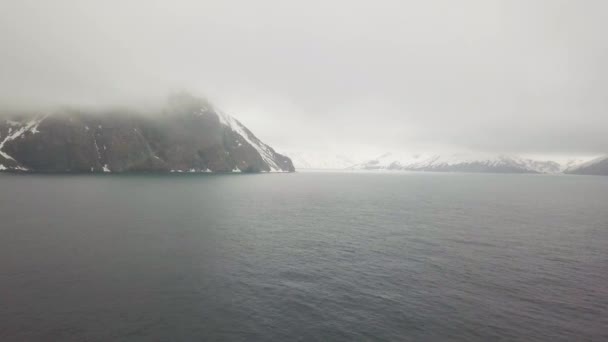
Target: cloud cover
[{"x": 351, "y": 76}]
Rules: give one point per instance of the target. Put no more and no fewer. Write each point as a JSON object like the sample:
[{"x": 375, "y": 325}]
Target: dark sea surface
[{"x": 304, "y": 256}]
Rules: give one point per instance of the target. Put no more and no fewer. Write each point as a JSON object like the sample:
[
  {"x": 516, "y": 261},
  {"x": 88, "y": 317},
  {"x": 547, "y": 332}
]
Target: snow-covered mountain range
[
  {"x": 464, "y": 162},
  {"x": 450, "y": 162},
  {"x": 191, "y": 135}
]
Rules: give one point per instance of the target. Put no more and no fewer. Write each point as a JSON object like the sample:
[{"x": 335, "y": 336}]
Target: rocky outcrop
[{"x": 188, "y": 135}]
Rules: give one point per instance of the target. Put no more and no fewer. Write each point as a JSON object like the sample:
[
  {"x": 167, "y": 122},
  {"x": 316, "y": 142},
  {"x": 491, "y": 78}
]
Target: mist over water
[{"x": 340, "y": 257}]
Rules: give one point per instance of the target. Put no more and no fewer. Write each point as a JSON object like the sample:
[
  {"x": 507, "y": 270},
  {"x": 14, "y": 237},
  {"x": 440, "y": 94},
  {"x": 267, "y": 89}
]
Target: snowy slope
[{"x": 265, "y": 151}]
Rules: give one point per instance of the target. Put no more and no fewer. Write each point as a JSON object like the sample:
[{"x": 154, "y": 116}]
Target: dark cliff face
[{"x": 189, "y": 135}]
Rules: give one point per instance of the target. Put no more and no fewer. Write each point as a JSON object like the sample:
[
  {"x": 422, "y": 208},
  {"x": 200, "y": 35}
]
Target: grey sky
[{"x": 497, "y": 76}]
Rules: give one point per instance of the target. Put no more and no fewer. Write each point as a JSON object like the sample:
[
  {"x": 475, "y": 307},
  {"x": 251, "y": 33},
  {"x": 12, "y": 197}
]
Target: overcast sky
[{"x": 494, "y": 76}]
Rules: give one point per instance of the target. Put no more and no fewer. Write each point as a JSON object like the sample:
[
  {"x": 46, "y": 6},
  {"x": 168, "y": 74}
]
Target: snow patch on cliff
[{"x": 20, "y": 129}]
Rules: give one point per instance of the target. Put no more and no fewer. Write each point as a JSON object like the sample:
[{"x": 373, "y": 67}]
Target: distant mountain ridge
[
  {"x": 459, "y": 162},
  {"x": 462, "y": 162},
  {"x": 466, "y": 162},
  {"x": 188, "y": 135},
  {"x": 597, "y": 166}
]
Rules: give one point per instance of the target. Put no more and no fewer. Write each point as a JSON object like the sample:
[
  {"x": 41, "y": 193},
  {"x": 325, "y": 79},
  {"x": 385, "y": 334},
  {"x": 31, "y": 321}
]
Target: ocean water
[{"x": 304, "y": 256}]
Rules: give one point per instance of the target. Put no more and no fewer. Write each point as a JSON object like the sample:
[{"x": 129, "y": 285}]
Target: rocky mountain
[
  {"x": 188, "y": 135},
  {"x": 459, "y": 162},
  {"x": 597, "y": 166}
]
